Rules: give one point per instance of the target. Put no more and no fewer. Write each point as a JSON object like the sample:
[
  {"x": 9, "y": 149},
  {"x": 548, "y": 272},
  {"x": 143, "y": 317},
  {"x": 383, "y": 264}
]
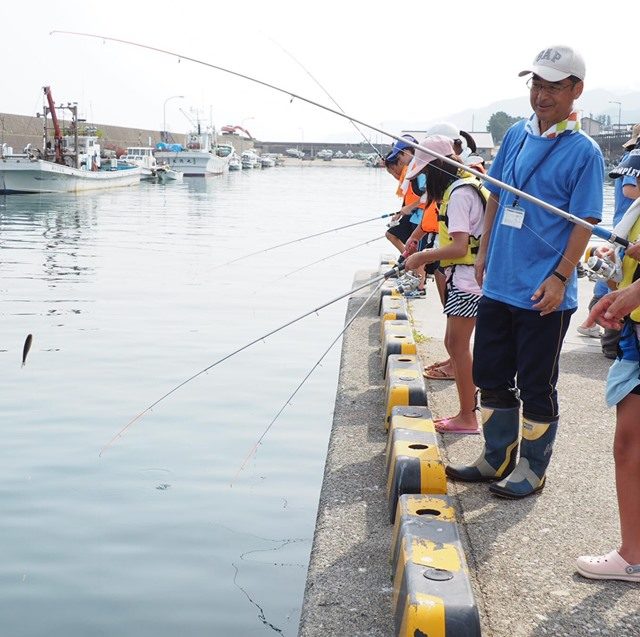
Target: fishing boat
[
  {"x": 164, "y": 174},
  {"x": 235, "y": 163},
  {"x": 142, "y": 156},
  {"x": 200, "y": 156},
  {"x": 66, "y": 163},
  {"x": 250, "y": 160},
  {"x": 267, "y": 162}
]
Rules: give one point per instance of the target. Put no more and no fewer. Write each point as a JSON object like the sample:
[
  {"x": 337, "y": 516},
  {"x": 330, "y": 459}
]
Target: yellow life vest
[
  {"x": 631, "y": 268},
  {"x": 443, "y": 231}
]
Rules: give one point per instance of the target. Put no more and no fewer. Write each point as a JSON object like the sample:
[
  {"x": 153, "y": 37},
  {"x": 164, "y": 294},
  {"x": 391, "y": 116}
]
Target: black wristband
[{"x": 562, "y": 277}]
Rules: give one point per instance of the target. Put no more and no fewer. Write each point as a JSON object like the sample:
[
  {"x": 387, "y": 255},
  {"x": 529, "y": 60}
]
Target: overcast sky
[{"x": 381, "y": 62}]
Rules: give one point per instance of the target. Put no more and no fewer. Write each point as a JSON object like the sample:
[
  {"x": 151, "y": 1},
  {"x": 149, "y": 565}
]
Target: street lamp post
[
  {"x": 619, "y": 111},
  {"x": 164, "y": 115}
]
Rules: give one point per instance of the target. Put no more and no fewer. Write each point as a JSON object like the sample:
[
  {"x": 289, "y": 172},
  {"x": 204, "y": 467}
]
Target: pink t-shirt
[{"x": 466, "y": 214}]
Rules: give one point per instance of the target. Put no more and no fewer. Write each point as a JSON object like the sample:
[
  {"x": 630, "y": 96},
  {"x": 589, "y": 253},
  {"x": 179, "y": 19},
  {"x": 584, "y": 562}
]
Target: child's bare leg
[{"x": 626, "y": 450}]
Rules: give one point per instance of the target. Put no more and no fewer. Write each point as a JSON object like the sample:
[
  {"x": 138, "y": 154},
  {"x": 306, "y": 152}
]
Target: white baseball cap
[
  {"x": 445, "y": 128},
  {"x": 438, "y": 143},
  {"x": 557, "y": 63}
]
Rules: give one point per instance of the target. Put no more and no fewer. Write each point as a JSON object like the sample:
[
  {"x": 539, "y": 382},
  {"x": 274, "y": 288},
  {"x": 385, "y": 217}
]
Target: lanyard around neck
[{"x": 533, "y": 170}]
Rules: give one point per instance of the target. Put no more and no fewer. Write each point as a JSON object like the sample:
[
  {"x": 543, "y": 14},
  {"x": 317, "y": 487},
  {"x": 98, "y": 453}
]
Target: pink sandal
[{"x": 609, "y": 566}]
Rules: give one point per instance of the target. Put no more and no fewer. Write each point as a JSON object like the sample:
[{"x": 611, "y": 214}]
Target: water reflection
[
  {"x": 121, "y": 292},
  {"x": 46, "y": 236}
]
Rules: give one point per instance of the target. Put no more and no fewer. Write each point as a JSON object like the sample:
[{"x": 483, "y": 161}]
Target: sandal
[
  {"x": 609, "y": 566},
  {"x": 437, "y": 373},
  {"x": 439, "y": 364},
  {"x": 445, "y": 426}
]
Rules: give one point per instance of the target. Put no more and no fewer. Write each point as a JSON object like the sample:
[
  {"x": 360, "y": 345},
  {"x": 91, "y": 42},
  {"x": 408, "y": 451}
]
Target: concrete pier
[{"x": 521, "y": 554}]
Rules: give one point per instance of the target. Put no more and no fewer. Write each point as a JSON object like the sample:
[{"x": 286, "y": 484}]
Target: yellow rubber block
[
  {"x": 389, "y": 289},
  {"x": 388, "y": 259},
  {"x": 423, "y": 610},
  {"x": 397, "y": 362},
  {"x": 397, "y": 339},
  {"x": 414, "y": 465},
  {"x": 392, "y": 309},
  {"x": 424, "y": 515},
  {"x": 385, "y": 267},
  {"x": 404, "y": 387},
  {"x": 416, "y": 418},
  {"x": 414, "y": 425},
  {"x": 432, "y": 594}
]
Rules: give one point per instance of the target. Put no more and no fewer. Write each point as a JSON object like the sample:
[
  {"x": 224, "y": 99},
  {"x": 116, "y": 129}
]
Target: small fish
[{"x": 26, "y": 348}]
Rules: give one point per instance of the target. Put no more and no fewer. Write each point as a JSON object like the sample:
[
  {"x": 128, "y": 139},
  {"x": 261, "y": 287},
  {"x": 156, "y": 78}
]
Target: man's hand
[{"x": 550, "y": 295}]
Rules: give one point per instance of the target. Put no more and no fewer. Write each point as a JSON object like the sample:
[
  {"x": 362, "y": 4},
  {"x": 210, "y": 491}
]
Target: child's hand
[{"x": 633, "y": 251}]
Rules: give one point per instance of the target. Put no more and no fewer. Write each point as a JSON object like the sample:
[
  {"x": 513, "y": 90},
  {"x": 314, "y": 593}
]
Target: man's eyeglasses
[{"x": 536, "y": 86}]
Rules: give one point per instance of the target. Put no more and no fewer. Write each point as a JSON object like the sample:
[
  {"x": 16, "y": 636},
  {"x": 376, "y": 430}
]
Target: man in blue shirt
[{"x": 527, "y": 266}]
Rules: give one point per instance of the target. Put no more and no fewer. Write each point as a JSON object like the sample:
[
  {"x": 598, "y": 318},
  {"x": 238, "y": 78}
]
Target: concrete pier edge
[{"x": 520, "y": 555}]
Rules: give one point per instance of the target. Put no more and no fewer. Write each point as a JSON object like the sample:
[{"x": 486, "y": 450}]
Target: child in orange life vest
[
  {"x": 623, "y": 391},
  {"x": 396, "y": 163},
  {"x": 461, "y": 214}
]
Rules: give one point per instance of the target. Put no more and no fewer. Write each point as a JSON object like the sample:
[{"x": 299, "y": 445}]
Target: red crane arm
[{"x": 56, "y": 125}]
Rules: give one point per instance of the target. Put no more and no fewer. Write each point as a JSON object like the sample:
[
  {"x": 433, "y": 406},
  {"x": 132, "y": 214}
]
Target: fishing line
[
  {"x": 382, "y": 277},
  {"x": 306, "y": 70},
  {"x": 597, "y": 230},
  {"x": 335, "y": 254},
  {"x": 254, "y": 448},
  {"x": 310, "y": 236}
]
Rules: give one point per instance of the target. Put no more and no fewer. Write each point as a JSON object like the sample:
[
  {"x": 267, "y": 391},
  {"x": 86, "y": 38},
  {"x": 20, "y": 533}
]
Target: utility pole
[{"x": 619, "y": 111}]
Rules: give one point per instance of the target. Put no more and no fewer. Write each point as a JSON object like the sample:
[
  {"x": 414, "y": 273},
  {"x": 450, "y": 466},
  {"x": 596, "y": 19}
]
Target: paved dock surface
[{"x": 521, "y": 554}]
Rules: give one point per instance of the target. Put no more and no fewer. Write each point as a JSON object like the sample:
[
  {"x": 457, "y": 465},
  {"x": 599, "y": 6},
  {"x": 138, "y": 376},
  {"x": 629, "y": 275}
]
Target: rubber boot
[
  {"x": 535, "y": 452},
  {"x": 501, "y": 432}
]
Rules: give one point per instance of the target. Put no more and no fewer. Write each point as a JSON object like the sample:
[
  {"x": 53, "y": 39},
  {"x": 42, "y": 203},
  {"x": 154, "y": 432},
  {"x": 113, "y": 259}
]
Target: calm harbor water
[{"x": 124, "y": 296}]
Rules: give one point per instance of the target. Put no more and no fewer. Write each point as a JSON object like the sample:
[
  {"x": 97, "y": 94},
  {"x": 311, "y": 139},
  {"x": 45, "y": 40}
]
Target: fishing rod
[
  {"x": 382, "y": 277},
  {"x": 603, "y": 233},
  {"x": 309, "y": 236},
  {"x": 306, "y": 70},
  {"x": 335, "y": 254},
  {"x": 254, "y": 448}
]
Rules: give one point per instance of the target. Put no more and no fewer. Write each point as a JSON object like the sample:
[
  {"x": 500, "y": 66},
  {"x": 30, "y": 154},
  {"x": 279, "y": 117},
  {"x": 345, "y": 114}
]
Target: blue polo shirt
[{"x": 570, "y": 177}]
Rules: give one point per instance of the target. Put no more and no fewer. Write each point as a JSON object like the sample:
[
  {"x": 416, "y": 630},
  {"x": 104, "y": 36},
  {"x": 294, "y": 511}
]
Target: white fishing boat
[
  {"x": 235, "y": 163},
  {"x": 247, "y": 159},
  {"x": 200, "y": 156},
  {"x": 142, "y": 156},
  {"x": 69, "y": 163},
  {"x": 165, "y": 175},
  {"x": 267, "y": 162}
]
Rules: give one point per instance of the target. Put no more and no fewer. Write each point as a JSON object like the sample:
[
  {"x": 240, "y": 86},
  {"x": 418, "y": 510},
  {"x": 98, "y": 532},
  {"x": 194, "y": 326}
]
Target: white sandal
[{"x": 609, "y": 566}]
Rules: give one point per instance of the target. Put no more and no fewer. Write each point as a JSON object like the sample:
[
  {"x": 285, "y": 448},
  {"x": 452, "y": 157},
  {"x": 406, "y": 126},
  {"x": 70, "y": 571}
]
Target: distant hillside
[{"x": 592, "y": 103}]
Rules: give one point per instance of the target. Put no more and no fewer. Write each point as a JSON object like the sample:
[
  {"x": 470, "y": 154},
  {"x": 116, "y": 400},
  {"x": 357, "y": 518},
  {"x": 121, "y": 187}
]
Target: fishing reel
[
  {"x": 408, "y": 282},
  {"x": 602, "y": 267},
  {"x": 393, "y": 224}
]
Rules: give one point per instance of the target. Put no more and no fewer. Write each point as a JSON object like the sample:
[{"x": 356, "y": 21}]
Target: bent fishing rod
[
  {"x": 255, "y": 446},
  {"x": 600, "y": 232},
  {"x": 306, "y": 70},
  {"x": 309, "y": 236},
  {"x": 395, "y": 270}
]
